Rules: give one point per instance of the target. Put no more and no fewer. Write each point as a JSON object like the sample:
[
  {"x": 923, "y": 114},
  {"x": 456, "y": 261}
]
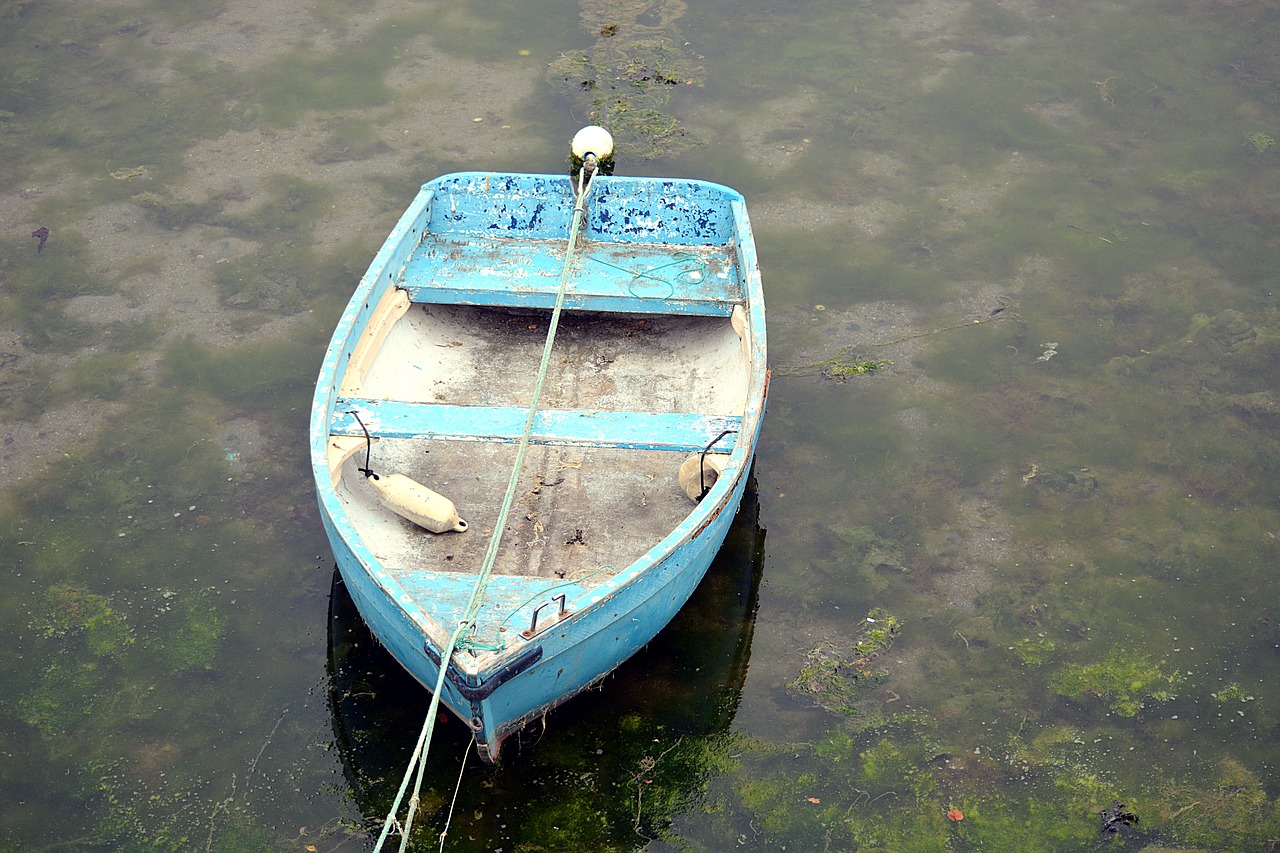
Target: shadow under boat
[{"x": 656, "y": 722}]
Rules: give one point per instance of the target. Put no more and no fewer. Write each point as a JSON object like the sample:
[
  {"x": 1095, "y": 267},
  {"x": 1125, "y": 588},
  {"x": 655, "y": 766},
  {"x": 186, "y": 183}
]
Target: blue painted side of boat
[{"x": 497, "y": 691}]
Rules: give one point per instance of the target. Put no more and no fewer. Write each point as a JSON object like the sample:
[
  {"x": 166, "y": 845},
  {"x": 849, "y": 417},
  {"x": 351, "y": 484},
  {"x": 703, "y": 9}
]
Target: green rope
[
  {"x": 468, "y": 644},
  {"x": 694, "y": 275},
  {"x": 419, "y": 757}
]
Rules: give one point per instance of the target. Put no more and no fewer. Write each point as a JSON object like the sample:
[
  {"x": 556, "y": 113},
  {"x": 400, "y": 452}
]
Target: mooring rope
[
  {"x": 418, "y": 761},
  {"x": 454, "y": 802}
]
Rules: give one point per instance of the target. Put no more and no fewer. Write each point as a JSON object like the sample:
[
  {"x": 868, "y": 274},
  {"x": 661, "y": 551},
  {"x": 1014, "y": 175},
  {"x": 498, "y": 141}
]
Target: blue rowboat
[{"x": 639, "y": 441}]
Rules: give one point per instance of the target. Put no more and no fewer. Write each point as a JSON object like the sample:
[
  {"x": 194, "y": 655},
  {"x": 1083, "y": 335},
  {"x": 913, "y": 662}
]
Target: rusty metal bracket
[{"x": 561, "y": 614}]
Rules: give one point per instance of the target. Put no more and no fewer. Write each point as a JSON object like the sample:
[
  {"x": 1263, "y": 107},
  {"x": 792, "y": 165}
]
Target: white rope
[{"x": 454, "y": 802}]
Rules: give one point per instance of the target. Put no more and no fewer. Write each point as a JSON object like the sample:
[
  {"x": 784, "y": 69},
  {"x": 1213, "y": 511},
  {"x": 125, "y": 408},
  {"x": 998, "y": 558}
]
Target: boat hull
[{"x": 574, "y": 633}]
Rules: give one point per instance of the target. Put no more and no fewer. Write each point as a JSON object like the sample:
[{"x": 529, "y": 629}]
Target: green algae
[
  {"x": 293, "y": 85},
  {"x": 1233, "y": 692},
  {"x": 349, "y": 139},
  {"x": 83, "y": 88},
  {"x": 71, "y": 609},
  {"x": 1035, "y": 826},
  {"x": 890, "y": 765},
  {"x": 245, "y": 374},
  {"x": 982, "y": 122},
  {"x": 837, "y": 674},
  {"x": 37, "y": 285},
  {"x": 839, "y": 368},
  {"x": 130, "y": 816},
  {"x": 189, "y": 637},
  {"x": 131, "y": 337},
  {"x": 1259, "y": 142},
  {"x": 1234, "y": 812},
  {"x": 870, "y": 557},
  {"x": 819, "y": 272},
  {"x": 106, "y": 377},
  {"x": 107, "y": 674},
  {"x": 286, "y": 273},
  {"x": 779, "y": 800},
  {"x": 85, "y": 699},
  {"x": 1126, "y": 681},
  {"x": 351, "y": 75},
  {"x": 89, "y": 644},
  {"x": 174, "y": 215},
  {"x": 892, "y": 786},
  {"x": 1036, "y": 651},
  {"x": 292, "y": 203}
]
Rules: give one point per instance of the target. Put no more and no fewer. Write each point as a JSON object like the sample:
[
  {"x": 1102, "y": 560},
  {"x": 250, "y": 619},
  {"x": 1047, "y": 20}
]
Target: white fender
[
  {"x": 690, "y": 480},
  {"x": 410, "y": 499}
]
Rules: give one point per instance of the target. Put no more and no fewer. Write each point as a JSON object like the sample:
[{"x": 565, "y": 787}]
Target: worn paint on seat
[
  {"x": 674, "y": 431},
  {"x": 626, "y": 278}
]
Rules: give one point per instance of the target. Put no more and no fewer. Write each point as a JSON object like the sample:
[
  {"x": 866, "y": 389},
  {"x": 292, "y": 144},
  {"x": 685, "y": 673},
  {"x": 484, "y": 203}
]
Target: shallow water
[{"x": 1020, "y": 260}]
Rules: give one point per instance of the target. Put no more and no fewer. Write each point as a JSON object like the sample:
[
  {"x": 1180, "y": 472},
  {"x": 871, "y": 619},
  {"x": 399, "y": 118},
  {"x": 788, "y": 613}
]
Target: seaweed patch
[
  {"x": 625, "y": 79},
  {"x": 835, "y": 671}
]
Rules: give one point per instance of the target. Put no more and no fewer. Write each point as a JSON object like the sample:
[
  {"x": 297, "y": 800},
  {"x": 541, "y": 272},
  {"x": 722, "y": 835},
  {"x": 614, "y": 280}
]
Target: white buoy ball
[{"x": 592, "y": 139}]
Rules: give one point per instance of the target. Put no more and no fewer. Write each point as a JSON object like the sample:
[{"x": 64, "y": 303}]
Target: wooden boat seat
[
  {"x": 523, "y": 273},
  {"x": 674, "y": 431}
]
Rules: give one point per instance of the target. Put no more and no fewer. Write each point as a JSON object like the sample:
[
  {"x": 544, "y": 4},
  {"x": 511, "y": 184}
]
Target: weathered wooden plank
[
  {"x": 674, "y": 431},
  {"x": 629, "y": 278}
]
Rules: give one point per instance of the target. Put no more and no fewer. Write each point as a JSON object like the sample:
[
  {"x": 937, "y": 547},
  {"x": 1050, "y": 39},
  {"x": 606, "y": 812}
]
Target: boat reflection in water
[{"x": 609, "y": 764}]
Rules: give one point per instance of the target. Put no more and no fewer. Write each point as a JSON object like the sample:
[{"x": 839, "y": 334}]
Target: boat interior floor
[{"x": 583, "y": 508}]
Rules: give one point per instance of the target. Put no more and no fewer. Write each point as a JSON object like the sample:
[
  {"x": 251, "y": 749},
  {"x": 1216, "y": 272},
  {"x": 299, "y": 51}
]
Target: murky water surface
[{"x": 1018, "y": 478}]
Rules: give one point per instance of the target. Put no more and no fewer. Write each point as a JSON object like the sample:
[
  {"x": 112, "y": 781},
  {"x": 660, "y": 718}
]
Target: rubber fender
[
  {"x": 690, "y": 481},
  {"x": 410, "y": 499}
]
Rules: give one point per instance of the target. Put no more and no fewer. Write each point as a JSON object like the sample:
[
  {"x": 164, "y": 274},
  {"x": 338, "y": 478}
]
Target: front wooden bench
[{"x": 523, "y": 273}]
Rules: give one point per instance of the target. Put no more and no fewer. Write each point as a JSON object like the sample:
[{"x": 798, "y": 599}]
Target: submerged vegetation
[
  {"x": 38, "y": 286},
  {"x": 1030, "y": 253},
  {"x": 836, "y": 673},
  {"x": 624, "y": 80},
  {"x": 1127, "y": 683},
  {"x": 136, "y": 571}
]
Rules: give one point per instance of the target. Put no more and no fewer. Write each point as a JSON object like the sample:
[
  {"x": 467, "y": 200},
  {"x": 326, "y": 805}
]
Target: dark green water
[{"x": 1018, "y": 477}]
